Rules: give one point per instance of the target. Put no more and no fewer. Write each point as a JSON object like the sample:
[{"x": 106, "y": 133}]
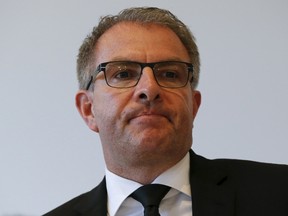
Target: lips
[
  {"x": 149, "y": 116},
  {"x": 147, "y": 113}
]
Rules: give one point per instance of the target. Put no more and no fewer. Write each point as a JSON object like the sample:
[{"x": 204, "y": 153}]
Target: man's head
[
  {"x": 86, "y": 57},
  {"x": 146, "y": 126}
]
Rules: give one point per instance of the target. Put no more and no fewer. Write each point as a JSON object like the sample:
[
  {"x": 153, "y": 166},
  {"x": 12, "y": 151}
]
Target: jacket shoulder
[
  {"x": 241, "y": 167},
  {"x": 68, "y": 207},
  {"x": 251, "y": 188},
  {"x": 247, "y": 177},
  {"x": 89, "y": 202}
]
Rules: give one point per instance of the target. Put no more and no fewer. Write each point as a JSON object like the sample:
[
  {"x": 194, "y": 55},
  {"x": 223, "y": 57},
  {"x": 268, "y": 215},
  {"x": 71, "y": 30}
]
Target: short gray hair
[{"x": 141, "y": 15}]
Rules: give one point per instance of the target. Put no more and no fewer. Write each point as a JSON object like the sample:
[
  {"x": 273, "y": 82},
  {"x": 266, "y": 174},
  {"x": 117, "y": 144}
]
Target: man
[{"x": 138, "y": 73}]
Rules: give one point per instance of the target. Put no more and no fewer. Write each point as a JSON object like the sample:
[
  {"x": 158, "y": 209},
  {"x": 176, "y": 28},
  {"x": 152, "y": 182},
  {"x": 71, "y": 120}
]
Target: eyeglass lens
[{"x": 127, "y": 74}]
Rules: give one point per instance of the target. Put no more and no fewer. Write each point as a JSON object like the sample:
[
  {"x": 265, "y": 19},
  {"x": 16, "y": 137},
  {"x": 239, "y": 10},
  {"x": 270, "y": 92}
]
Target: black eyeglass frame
[{"x": 102, "y": 67}]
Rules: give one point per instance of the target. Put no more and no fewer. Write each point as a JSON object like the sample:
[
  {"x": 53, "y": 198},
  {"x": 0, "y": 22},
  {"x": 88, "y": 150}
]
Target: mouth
[{"x": 149, "y": 116}]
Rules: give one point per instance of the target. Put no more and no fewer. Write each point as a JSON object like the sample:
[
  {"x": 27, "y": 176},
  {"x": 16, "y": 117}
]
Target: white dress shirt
[{"x": 176, "y": 202}]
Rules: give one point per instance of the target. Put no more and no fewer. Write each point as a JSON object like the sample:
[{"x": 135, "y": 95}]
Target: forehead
[{"x": 139, "y": 42}]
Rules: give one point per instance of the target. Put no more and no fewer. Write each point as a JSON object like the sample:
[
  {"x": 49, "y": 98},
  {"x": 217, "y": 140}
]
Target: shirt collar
[{"x": 118, "y": 188}]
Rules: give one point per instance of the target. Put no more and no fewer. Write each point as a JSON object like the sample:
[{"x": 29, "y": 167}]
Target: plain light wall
[{"x": 48, "y": 155}]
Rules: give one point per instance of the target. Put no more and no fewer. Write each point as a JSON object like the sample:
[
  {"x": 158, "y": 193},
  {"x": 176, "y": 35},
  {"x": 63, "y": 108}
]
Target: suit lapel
[
  {"x": 95, "y": 202},
  {"x": 211, "y": 187}
]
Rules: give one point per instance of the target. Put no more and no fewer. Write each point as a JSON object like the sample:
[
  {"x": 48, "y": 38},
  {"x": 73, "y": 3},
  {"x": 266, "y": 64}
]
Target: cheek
[
  {"x": 183, "y": 102},
  {"x": 185, "y": 110},
  {"x": 104, "y": 110},
  {"x": 107, "y": 109}
]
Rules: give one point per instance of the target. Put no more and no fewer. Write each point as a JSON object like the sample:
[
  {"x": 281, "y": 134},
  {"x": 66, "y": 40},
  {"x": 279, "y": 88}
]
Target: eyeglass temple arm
[{"x": 89, "y": 83}]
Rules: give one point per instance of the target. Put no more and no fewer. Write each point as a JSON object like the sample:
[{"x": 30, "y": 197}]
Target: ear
[
  {"x": 84, "y": 104},
  {"x": 196, "y": 102}
]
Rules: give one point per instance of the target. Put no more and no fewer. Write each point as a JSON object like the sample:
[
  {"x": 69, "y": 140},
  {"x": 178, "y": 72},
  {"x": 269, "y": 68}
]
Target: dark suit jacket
[{"x": 220, "y": 187}]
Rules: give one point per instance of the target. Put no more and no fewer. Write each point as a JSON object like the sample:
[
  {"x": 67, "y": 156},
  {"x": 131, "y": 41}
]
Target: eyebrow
[{"x": 121, "y": 58}]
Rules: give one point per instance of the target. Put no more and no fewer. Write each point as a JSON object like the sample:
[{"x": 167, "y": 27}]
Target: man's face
[{"x": 145, "y": 124}]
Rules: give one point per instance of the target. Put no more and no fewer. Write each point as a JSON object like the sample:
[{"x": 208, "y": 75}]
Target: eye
[
  {"x": 122, "y": 75},
  {"x": 170, "y": 74},
  {"x": 125, "y": 74}
]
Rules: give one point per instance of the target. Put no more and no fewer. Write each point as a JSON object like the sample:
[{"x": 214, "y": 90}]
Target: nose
[{"x": 147, "y": 89}]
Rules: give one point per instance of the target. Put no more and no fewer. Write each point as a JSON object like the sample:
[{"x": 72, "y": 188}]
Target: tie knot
[{"x": 150, "y": 195}]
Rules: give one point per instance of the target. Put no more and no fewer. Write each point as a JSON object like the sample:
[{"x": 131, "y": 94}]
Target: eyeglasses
[{"x": 126, "y": 74}]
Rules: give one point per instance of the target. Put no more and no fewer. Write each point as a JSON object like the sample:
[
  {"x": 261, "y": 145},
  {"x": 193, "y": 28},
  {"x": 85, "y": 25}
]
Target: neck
[{"x": 144, "y": 172}]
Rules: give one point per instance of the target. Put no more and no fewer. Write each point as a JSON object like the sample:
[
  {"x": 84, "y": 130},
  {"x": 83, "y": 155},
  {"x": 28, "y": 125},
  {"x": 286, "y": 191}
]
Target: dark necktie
[{"x": 150, "y": 197}]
